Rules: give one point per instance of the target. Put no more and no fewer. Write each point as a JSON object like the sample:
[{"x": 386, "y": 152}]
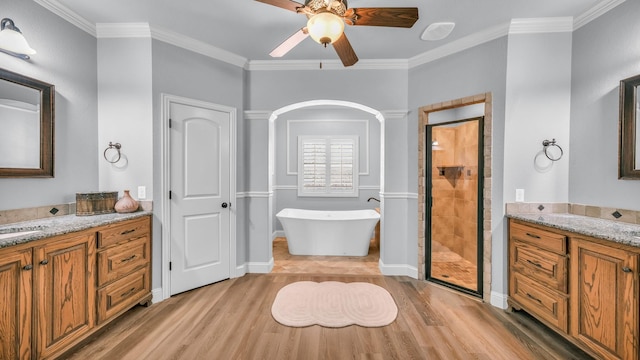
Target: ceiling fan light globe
[{"x": 325, "y": 27}]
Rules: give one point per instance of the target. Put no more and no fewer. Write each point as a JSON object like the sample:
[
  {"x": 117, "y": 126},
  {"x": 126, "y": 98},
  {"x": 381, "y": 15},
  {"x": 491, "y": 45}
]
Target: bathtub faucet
[{"x": 372, "y": 198}]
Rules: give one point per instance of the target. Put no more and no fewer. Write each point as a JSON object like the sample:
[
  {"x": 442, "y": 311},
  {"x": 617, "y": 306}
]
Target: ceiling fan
[{"x": 327, "y": 19}]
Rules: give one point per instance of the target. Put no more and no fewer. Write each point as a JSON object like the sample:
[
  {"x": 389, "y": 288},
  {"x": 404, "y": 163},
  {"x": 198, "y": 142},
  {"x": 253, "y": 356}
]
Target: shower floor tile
[
  {"x": 450, "y": 267},
  {"x": 344, "y": 265}
]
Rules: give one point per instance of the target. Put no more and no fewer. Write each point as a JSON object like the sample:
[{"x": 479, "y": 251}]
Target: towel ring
[
  {"x": 112, "y": 146},
  {"x": 547, "y": 144}
]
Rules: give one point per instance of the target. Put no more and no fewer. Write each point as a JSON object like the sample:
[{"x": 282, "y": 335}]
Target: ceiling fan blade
[
  {"x": 392, "y": 17},
  {"x": 345, "y": 51},
  {"x": 290, "y": 43},
  {"x": 285, "y": 4}
]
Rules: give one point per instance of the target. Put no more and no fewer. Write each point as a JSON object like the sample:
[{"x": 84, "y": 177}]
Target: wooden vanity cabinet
[
  {"x": 59, "y": 290},
  {"x": 604, "y": 299},
  {"x": 15, "y": 308},
  {"x": 64, "y": 293},
  {"x": 584, "y": 288}
]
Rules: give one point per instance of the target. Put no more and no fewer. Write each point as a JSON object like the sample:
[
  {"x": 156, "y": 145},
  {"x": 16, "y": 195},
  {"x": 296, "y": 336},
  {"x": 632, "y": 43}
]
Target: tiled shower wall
[{"x": 455, "y": 185}]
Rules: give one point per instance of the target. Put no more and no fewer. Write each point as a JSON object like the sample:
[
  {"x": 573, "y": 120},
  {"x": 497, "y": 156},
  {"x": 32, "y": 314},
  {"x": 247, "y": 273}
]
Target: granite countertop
[
  {"x": 619, "y": 232},
  {"x": 59, "y": 225}
]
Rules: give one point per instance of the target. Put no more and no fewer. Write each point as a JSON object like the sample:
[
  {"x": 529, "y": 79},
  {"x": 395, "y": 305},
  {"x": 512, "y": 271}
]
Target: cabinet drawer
[
  {"x": 118, "y": 261},
  {"x": 540, "y": 301},
  {"x": 541, "y": 238},
  {"x": 542, "y": 266},
  {"x": 122, "y": 294},
  {"x": 116, "y": 233}
]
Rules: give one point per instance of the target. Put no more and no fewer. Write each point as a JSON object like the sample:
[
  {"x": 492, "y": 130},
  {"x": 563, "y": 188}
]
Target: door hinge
[
  {"x": 169, "y": 194},
  {"x": 170, "y": 123},
  {"x": 170, "y": 263}
]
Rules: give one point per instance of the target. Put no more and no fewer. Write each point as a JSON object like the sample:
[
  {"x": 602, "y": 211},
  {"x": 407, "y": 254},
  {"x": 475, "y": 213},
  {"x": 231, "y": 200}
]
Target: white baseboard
[
  {"x": 240, "y": 271},
  {"x": 398, "y": 270},
  {"x": 276, "y": 234},
  {"x": 156, "y": 295},
  {"x": 499, "y": 300},
  {"x": 260, "y": 268}
]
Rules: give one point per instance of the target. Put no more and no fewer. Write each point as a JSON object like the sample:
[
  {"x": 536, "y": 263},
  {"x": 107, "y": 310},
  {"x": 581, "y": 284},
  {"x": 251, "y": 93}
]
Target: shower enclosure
[{"x": 453, "y": 232}]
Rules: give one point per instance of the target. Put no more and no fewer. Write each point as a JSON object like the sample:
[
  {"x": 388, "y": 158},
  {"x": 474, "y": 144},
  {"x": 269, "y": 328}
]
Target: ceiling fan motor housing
[{"x": 338, "y": 7}]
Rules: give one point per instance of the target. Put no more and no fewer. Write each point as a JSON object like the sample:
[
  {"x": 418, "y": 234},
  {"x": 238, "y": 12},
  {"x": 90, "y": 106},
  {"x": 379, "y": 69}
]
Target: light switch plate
[
  {"x": 519, "y": 195},
  {"x": 142, "y": 192}
]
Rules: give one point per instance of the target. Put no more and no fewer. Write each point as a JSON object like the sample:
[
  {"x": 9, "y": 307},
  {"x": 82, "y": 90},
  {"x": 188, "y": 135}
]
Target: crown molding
[
  {"x": 459, "y": 45},
  {"x": 68, "y": 15},
  {"x": 257, "y": 114},
  {"x": 595, "y": 12},
  {"x": 394, "y": 114},
  {"x": 197, "y": 46},
  {"x": 287, "y": 65},
  {"x": 128, "y": 30},
  {"x": 541, "y": 25},
  {"x": 517, "y": 26}
]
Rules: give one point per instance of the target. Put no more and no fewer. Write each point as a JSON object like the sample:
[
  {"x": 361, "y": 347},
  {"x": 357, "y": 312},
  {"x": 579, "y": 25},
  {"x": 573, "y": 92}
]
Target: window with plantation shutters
[{"x": 328, "y": 166}]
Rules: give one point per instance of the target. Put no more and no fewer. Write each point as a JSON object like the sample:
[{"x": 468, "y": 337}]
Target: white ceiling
[{"x": 251, "y": 29}]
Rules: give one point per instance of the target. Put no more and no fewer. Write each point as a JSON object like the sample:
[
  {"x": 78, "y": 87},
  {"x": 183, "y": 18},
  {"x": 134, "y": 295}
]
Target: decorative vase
[{"x": 126, "y": 204}]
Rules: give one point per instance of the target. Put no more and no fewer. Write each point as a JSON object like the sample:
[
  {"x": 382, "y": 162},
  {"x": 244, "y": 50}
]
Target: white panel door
[{"x": 200, "y": 194}]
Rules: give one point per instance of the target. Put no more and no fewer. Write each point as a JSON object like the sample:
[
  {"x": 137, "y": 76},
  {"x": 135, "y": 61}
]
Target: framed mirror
[{"x": 27, "y": 126}]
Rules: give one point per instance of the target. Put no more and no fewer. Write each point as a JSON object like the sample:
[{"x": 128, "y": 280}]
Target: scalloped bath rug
[{"x": 333, "y": 304}]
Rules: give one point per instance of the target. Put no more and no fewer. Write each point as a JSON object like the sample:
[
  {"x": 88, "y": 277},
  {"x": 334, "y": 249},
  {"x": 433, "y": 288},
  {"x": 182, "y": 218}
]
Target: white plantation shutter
[{"x": 328, "y": 166}]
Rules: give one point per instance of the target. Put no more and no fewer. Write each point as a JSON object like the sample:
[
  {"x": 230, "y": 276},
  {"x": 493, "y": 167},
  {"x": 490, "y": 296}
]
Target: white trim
[
  {"x": 367, "y": 148},
  {"x": 541, "y": 25},
  {"x": 198, "y": 46},
  {"x": 398, "y": 195},
  {"x": 398, "y": 270},
  {"x": 156, "y": 295},
  {"x": 260, "y": 267},
  {"x": 257, "y": 114},
  {"x": 127, "y": 30},
  {"x": 277, "y": 234},
  {"x": 288, "y": 65},
  {"x": 395, "y": 114},
  {"x": 499, "y": 300},
  {"x": 294, "y": 187},
  {"x": 459, "y": 45},
  {"x": 595, "y": 12},
  {"x": 165, "y": 185},
  {"x": 241, "y": 270},
  {"x": 69, "y": 15},
  {"x": 258, "y": 194}
]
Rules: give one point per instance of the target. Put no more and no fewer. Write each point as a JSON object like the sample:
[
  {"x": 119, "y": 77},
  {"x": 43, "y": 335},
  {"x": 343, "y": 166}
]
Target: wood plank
[{"x": 232, "y": 320}]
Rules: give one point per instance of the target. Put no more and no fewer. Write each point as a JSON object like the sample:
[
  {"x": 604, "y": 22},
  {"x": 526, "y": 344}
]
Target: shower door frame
[{"x": 479, "y": 292}]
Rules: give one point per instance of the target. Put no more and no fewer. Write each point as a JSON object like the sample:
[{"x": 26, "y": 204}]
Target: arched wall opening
[{"x": 323, "y": 107}]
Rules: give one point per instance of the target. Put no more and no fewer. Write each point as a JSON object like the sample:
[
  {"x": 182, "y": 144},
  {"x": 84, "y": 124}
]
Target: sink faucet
[{"x": 372, "y": 198}]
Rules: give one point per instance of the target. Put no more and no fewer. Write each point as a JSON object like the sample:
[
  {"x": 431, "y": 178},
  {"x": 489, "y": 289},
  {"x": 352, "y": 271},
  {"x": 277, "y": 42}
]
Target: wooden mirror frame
[{"x": 47, "y": 94}]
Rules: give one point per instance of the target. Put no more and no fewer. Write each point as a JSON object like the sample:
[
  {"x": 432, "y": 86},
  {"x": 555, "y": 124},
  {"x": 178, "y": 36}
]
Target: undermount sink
[{"x": 14, "y": 232}]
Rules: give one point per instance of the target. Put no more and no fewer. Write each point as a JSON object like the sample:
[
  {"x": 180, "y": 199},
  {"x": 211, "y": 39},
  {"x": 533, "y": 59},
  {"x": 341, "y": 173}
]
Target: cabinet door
[
  {"x": 15, "y": 308},
  {"x": 604, "y": 299},
  {"x": 65, "y": 288}
]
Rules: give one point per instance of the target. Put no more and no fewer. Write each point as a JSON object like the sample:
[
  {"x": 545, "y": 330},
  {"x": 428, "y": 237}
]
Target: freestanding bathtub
[{"x": 341, "y": 233}]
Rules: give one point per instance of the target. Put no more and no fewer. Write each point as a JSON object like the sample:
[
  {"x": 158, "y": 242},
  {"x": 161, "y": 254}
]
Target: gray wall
[
  {"x": 183, "y": 73},
  {"x": 325, "y": 121},
  {"x": 70, "y": 65},
  {"x": 605, "y": 51},
  {"x": 477, "y": 70}
]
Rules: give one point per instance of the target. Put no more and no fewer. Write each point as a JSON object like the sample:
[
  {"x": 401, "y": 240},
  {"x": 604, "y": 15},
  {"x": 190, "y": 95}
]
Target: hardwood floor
[{"x": 232, "y": 320}]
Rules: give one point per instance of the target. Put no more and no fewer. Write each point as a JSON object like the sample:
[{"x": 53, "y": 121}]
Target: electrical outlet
[
  {"x": 519, "y": 195},
  {"x": 142, "y": 192}
]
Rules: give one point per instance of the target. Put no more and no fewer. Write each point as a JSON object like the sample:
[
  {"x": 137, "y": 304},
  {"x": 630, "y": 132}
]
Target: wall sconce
[{"x": 12, "y": 41}]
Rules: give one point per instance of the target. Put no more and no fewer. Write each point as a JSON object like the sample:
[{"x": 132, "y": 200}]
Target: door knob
[{"x": 224, "y": 205}]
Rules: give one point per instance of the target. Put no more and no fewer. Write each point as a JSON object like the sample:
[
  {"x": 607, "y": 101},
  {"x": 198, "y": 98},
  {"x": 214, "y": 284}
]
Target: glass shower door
[{"x": 454, "y": 207}]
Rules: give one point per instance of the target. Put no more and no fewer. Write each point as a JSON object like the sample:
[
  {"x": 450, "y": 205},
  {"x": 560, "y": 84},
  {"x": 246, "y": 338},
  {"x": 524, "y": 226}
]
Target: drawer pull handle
[
  {"x": 127, "y": 232},
  {"x": 534, "y": 263},
  {"x": 533, "y": 236},
  {"x": 44, "y": 262},
  {"x": 626, "y": 269},
  {"x": 534, "y": 298},
  {"x": 27, "y": 267},
  {"x": 128, "y": 259},
  {"x": 128, "y": 292}
]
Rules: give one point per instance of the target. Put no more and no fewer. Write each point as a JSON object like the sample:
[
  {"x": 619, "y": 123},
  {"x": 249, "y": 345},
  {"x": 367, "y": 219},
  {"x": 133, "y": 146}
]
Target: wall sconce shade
[
  {"x": 325, "y": 27},
  {"x": 12, "y": 41}
]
